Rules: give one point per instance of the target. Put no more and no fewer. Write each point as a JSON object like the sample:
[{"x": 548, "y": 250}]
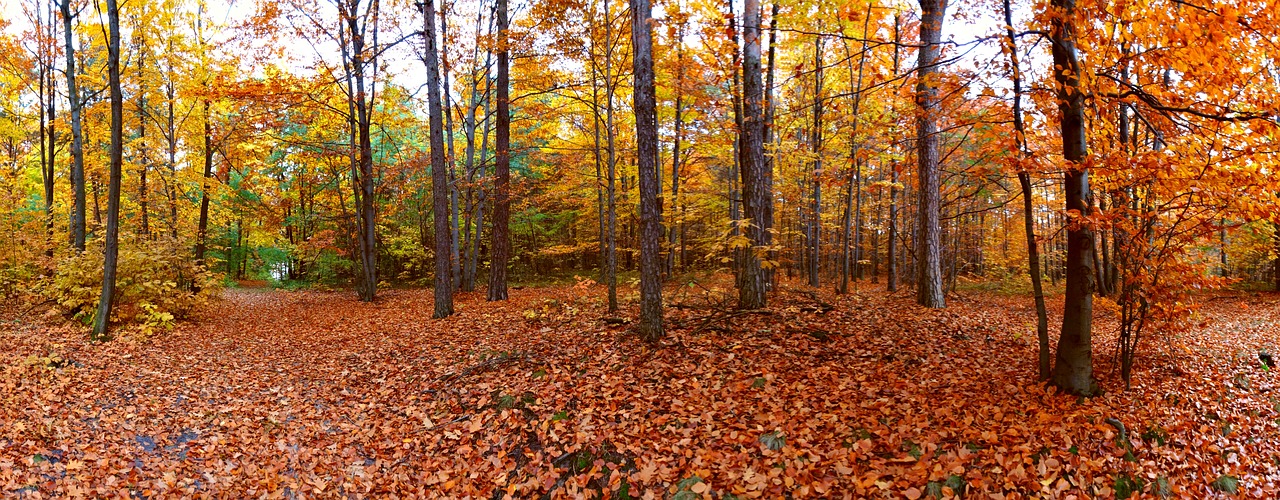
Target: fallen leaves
[{"x": 316, "y": 394}]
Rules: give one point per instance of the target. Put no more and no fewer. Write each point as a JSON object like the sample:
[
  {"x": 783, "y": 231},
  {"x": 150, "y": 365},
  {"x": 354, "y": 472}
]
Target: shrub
[{"x": 156, "y": 284}]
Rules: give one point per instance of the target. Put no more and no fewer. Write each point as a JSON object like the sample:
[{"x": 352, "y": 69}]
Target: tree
[
  {"x": 1073, "y": 366},
  {"x": 111, "y": 250},
  {"x": 757, "y": 189},
  {"x": 645, "y": 106},
  {"x": 1028, "y": 211},
  {"x": 928, "y": 228},
  {"x": 77, "y": 132},
  {"x": 439, "y": 174},
  {"x": 502, "y": 169}
]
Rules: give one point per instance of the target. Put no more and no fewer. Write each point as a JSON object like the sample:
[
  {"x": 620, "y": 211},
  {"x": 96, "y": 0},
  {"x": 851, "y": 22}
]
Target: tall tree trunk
[
  {"x": 77, "y": 137},
  {"x": 645, "y": 106},
  {"x": 611, "y": 198},
  {"x": 143, "y": 152},
  {"x": 439, "y": 172},
  {"x": 854, "y": 223},
  {"x": 928, "y": 248},
  {"x": 455, "y": 260},
  {"x": 757, "y": 191},
  {"x": 112, "y": 249},
  {"x": 1024, "y": 180},
  {"x": 1073, "y": 370},
  {"x": 502, "y": 169},
  {"x": 675, "y": 146},
  {"x": 363, "y": 110},
  {"x": 815, "y": 142},
  {"x": 892, "y": 271}
]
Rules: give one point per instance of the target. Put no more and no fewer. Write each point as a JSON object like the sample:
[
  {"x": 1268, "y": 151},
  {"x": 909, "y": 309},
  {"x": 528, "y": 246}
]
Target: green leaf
[{"x": 773, "y": 440}]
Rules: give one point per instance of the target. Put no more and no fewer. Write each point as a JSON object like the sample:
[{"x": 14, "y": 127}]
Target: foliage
[
  {"x": 157, "y": 285},
  {"x": 897, "y": 401}
]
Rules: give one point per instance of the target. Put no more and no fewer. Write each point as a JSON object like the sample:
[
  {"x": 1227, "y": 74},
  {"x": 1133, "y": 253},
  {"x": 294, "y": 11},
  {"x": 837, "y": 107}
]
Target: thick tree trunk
[
  {"x": 439, "y": 171},
  {"x": 757, "y": 192},
  {"x": 928, "y": 248},
  {"x": 112, "y": 249},
  {"x": 502, "y": 171},
  {"x": 1073, "y": 370},
  {"x": 368, "y": 208},
  {"x": 645, "y": 106}
]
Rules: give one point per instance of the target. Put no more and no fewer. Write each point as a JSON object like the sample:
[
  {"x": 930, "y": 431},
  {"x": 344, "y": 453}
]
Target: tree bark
[
  {"x": 611, "y": 197},
  {"x": 439, "y": 171},
  {"x": 112, "y": 249},
  {"x": 1073, "y": 370},
  {"x": 815, "y": 142},
  {"x": 928, "y": 249},
  {"x": 892, "y": 271},
  {"x": 502, "y": 169},
  {"x": 644, "y": 102},
  {"x": 77, "y": 135},
  {"x": 757, "y": 192}
]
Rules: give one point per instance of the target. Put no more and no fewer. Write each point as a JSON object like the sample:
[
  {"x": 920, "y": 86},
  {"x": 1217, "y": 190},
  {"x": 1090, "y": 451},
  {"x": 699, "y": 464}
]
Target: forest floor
[{"x": 313, "y": 394}]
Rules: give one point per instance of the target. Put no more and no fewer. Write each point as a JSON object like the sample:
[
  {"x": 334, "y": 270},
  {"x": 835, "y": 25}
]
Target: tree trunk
[
  {"x": 77, "y": 136},
  {"x": 439, "y": 172},
  {"x": 675, "y": 147},
  {"x": 455, "y": 260},
  {"x": 143, "y": 152},
  {"x": 757, "y": 192},
  {"x": 892, "y": 271},
  {"x": 855, "y": 177},
  {"x": 502, "y": 170},
  {"x": 359, "y": 58},
  {"x": 815, "y": 142},
  {"x": 1024, "y": 180},
  {"x": 112, "y": 248},
  {"x": 928, "y": 248},
  {"x": 611, "y": 199},
  {"x": 645, "y": 106},
  {"x": 1073, "y": 370}
]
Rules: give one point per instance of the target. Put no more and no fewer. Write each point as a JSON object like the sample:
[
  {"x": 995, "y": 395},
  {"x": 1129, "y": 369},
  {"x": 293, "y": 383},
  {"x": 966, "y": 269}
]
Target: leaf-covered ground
[{"x": 313, "y": 394}]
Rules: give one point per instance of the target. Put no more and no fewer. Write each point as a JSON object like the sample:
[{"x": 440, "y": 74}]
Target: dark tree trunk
[
  {"x": 112, "y": 248},
  {"x": 77, "y": 136},
  {"x": 675, "y": 148},
  {"x": 849, "y": 264},
  {"x": 202, "y": 225},
  {"x": 455, "y": 260},
  {"x": 1024, "y": 180},
  {"x": 815, "y": 142},
  {"x": 611, "y": 171},
  {"x": 928, "y": 248},
  {"x": 143, "y": 152},
  {"x": 439, "y": 171},
  {"x": 1073, "y": 370},
  {"x": 892, "y": 271},
  {"x": 757, "y": 191},
  {"x": 502, "y": 169},
  {"x": 644, "y": 104}
]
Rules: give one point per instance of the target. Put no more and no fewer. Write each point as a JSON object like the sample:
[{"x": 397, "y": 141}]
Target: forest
[{"x": 635, "y": 249}]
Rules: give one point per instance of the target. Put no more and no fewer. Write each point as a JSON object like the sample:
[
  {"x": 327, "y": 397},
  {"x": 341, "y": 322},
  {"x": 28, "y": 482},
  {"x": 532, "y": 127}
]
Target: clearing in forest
[{"x": 866, "y": 395}]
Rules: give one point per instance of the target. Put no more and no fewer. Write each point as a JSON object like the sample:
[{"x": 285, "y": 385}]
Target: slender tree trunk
[
  {"x": 815, "y": 141},
  {"x": 439, "y": 172},
  {"x": 645, "y": 106},
  {"x": 368, "y": 209},
  {"x": 502, "y": 170},
  {"x": 112, "y": 249},
  {"x": 77, "y": 137},
  {"x": 1073, "y": 370},
  {"x": 611, "y": 250},
  {"x": 928, "y": 248},
  {"x": 455, "y": 260},
  {"x": 143, "y": 152},
  {"x": 675, "y": 147},
  {"x": 1024, "y": 180},
  {"x": 892, "y": 272},
  {"x": 855, "y": 177}
]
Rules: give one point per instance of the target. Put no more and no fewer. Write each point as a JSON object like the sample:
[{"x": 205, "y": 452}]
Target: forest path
[{"x": 315, "y": 393}]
